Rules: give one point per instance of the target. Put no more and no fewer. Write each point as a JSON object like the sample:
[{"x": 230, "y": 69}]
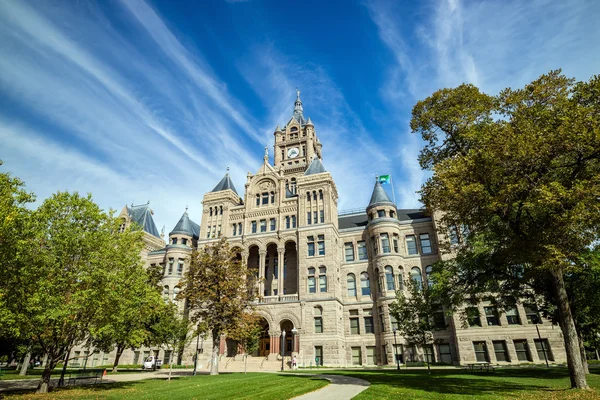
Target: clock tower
[{"x": 297, "y": 143}]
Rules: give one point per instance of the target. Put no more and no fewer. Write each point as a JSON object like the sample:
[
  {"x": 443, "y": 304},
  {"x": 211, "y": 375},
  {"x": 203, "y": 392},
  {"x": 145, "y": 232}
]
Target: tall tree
[
  {"x": 522, "y": 170},
  {"x": 77, "y": 263},
  {"x": 416, "y": 311},
  {"x": 219, "y": 288},
  {"x": 247, "y": 333}
]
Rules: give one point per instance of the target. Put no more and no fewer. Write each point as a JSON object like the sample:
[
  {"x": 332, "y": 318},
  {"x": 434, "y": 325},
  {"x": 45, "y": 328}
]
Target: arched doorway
[
  {"x": 271, "y": 270},
  {"x": 290, "y": 269},
  {"x": 287, "y": 326},
  {"x": 264, "y": 347}
]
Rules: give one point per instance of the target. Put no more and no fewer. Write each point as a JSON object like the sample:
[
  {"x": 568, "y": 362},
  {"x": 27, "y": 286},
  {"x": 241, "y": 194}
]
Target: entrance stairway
[{"x": 254, "y": 364}]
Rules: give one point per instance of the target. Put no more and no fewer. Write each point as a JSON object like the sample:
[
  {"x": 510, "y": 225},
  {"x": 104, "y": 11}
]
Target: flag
[{"x": 383, "y": 179}]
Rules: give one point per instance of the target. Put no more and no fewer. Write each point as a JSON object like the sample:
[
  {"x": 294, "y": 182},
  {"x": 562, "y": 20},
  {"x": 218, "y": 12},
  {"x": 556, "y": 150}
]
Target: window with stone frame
[
  {"x": 174, "y": 241},
  {"x": 473, "y": 316},
  {"x": 445, "y": 353},
  {"x": 180, "y": 267},
  {"x": 522, "y": 349},
  {"x": 481, "y": 352},
  {"x": 311, "y": 246},
  {"x": 532, "y": 314},
  {"x": 368, "y": 320},
  {"x": 380, "y": 213},
  {"x": 315, "y": 218},
  {"x": 318, "y": 319},
  {"x": 171, "y": 262},
  {"x": 253, "y": 225},
  {"x": 321, "y": 244},
  {"x": 293, "y": 221},
  {"x": 349, "y": 251},
  {"x": 234, "y": 230},
  {"x": 500, "y": 350},
  {"x": 322, "y": 216},
  {"x": 385, "y": 243},
  {"x": 395, "y": 242},
  {"x": 439, "y": 319},
  {"x": 272, "y": 223},
  {"x": 541, "y": 346},
  {"x": 263, "y": 225},
  {"x": 184, "y": 242},
  {"x": 425, "y": 243},
  {"x": 362, "y": 250},
  {"x": 208, "y": 232},
  {"x": 390, "y": 282},
  {"x": 240, "y": 228},
  {"x": 411, "y": 245},
  {"x": 415, "y": 275},
  {"x": 512, "y": 314},
  {"x": 351, "y": 284},
  {"x": 265, "y": 199},
  {"x": 354, "y": 323},
  {"x": 322, "y": 279},
  {"x": 371, "y": 358},
  {"x": 308, "y": 218},
  {"x": 365, "y": 284},
  {"x": 356, "y": 356},
  {"x": 491, "y": 316},
  {"x": 428, "y": 353},
  {"x": 287, "y": 222},
  {"x": 312, "y": 282}
]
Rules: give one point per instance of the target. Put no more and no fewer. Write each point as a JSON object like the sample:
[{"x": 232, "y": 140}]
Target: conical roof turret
[
  {"x": 379, "y": 196},
  {"x": 225, "y": 184},
  {"x": 186, "y": 226}
]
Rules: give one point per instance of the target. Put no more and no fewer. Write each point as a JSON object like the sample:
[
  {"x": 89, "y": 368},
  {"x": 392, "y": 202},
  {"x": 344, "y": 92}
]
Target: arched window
[
  {"x": 390, "y": 283},
  {"x": 221, "y": 210},
  {"x": 351, "y": 283},
  {"x": 365, "y": 284},
  {"x": 312, "y": 284},
  {"x": 320, "y": 195},
  {"x": 428, "y": 271},
  {"x": 210, "y": 210},
  {"x": 308, "y": 196},
  {"x": 166, "y": 292},
  {"x": 415, "y": 274},
  {"x": 272, "y": 197},
  {"x": 401, "y": 278},
  {"x": 314, "y": 195},
  {"x": 322, "y": 279},
  {"x": 257, "y": 200}
]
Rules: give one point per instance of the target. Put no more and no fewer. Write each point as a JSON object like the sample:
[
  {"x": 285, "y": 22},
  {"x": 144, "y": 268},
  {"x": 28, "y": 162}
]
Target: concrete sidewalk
[{"x": 340, "y": 388}]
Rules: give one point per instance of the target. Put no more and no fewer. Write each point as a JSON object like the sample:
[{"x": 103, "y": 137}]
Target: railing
[
  {"x": 353, "y": 211},
  {"x": 278, "y": 299},
  {"x": 289, "y": 297}
]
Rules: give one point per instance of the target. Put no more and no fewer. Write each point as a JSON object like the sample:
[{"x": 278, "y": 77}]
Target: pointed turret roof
[
  {"x": 298, "y": 110},
  {"x": 186, "y": 226},
  {"x": 309, "y": 122},
  {"x": 315, "y": 167},
  {"x": 142, "y": 215},
  {"x": 225, "y": 184},
  {"x": 379, "y": 196}
]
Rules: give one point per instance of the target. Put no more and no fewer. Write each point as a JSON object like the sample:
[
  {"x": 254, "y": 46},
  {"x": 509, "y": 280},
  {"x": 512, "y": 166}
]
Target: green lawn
[
  {"x": 253, "y": 386},
  {"x": 509, "y": 383}
]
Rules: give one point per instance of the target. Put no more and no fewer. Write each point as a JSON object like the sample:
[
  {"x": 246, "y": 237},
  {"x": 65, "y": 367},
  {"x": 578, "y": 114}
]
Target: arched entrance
[
  {"x": 271, "y": 270},
  {"x": 264, "y": 347},
  {"x": 290, "y": 269},
  {"x": 287, "y": 326}
]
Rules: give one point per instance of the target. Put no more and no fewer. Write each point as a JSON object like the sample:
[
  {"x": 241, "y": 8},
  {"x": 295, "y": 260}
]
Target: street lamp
[
  {"x": 196, "y": 356},
  {"x": 282, "y": 349},
  {"x": 542, "y": 344},
  {"x": 396, "y": 351}
]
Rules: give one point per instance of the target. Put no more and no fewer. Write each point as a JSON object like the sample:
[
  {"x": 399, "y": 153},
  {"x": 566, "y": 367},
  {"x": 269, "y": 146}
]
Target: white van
[{"x": 152, "y": 363}]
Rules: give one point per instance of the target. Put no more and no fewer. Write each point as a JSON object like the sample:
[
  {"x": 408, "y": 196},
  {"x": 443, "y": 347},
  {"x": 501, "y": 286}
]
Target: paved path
[{"x": 340, "y": 388}]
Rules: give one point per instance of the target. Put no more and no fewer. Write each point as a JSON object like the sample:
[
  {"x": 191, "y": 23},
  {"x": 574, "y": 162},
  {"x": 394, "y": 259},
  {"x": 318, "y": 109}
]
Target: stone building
[{"x": 329, "y": 276}]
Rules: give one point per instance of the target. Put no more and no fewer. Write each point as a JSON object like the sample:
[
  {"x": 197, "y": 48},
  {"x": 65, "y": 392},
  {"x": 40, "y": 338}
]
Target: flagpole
[{"x": 393, "y": 193}]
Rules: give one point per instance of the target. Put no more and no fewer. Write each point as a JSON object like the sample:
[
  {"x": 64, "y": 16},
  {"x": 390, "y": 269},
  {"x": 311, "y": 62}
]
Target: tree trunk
[
  {"x": 120, "y": 349},
  {"x": 45, "y": 360},
  {"x": 170, "y": 366},
  {"x": 44, "y": 384},
  {"x": 25, "y": 364},
  {"x": 583, "y": 355},
  {"x": 61, "y": 381},
  {"x": 576, "y": 372},
  {"x": 214, "y": 366}
]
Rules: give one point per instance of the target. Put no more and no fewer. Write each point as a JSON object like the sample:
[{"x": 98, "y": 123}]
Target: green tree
[
  {"x": 247, "y": 333},
  {"x": 64, "y": 286},
  {"x": 219, "y": 288},
  {"x": 414, "y": 311},
  {"x": 522, "y": 171}
]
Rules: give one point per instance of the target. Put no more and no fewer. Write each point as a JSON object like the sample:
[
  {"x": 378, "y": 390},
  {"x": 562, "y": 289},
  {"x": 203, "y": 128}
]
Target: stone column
[
  {"x": 261, "y": 272},
  {"x": 280, "y": 273}
]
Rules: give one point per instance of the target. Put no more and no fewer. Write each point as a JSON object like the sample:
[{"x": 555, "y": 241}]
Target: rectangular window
[
  {"x": 395, "y": 242},
  {"x": 293, "y": 221},
  {"x": 308, "y": 218},
  {"x": 322, "y": 216},
  {"x": 354, "y": 324},
  {"x": 500, "y": 350},
  {"x": 385, "y": 243},
  {"x": 512, "y": 315},
  {"x": 240, "y": 228},
  {"x": 184, "y": 241},
  {"x": 312, "y": 287},
  {"x": 356, "y": 356},
  {"x": 318, "y": 324},
  {"x": 491, "y": 315},
  {"x": 208, "y": 232},
  {"x": 445, "y": 353},
  {"x": 473, "y": 316},
  {"x": 322, "y": 283},
  {"x": 439, "y": 320},
  {"x": 321, "y": 244},
  {"x": 428, "y": 352},
  {"x": 174, "y": 241},
  {"x": 481, "y": 354},
  {"x": 542, "y": 346},
  {"x": 522, "y": 350},
  {"x": 287, "y": 222},
  {"x": 349, "y": 251},
  {"x": 265, "y": 199},
  {"x": 263, "y": 225},
  {"x": 272, "y": 223},
  {"x": 393, "y": 323},
  {"x": 453, "y": 234},
  {"x": 380, "y": 213},
  {"x": 371, "y": 360},
  {"x": 171, "y": 261},
  {"x": 425, "y": 243},
  {"x": 253, "y": 226},
  {"x": 180, "y": 268},
  {"x": 319, "y": 355},
  {"x": 411, "y": 245},
  {"x": 369, "y": 328},
  {"x": 315, "y": 216},
  {"x": 375, "y": 245},
  {"x": 362, "y": 250},
  {"x": 311, "y": 246},
  {"x": 531, "y": 313},
  {"x": 234, "y": 229}
]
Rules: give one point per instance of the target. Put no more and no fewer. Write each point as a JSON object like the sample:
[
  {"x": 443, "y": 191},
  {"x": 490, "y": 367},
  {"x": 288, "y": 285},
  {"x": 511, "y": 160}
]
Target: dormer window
[
  {"x": 174, "y": 241},
  {"x": 380, "y": 213},
  {"x": 184, "y": 241}
]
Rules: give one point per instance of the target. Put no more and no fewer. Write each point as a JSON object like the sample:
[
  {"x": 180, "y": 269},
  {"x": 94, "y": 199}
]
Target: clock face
[{"x": 293, "y": 152}]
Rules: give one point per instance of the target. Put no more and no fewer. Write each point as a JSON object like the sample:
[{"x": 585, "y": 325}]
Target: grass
[
  {"x": 255, "y": 386},
  {"x": 506, "y": 383}
]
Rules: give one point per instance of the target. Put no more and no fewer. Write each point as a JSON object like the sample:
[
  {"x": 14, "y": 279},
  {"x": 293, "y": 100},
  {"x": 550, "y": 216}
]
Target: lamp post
[
  {"x": 196, "y": 356},
  {"x": 542, "y": 344},
  {"x": 282, "y": 348},
  {"x": 396, "y": 351}
]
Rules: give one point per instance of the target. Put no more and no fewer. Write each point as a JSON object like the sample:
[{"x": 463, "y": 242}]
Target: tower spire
[{"x": 298, "y": 110}]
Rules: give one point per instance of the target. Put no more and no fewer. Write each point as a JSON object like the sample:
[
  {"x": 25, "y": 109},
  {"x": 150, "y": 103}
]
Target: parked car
[{"x": 152, "y": 363}]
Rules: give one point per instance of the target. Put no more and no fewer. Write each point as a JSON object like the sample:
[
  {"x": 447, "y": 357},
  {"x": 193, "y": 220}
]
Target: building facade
[{"x": 328, "y": 278}]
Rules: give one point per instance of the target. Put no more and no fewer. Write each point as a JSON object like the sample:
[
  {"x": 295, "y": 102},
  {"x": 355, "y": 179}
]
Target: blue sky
[{"x": 137, "y": 100}]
